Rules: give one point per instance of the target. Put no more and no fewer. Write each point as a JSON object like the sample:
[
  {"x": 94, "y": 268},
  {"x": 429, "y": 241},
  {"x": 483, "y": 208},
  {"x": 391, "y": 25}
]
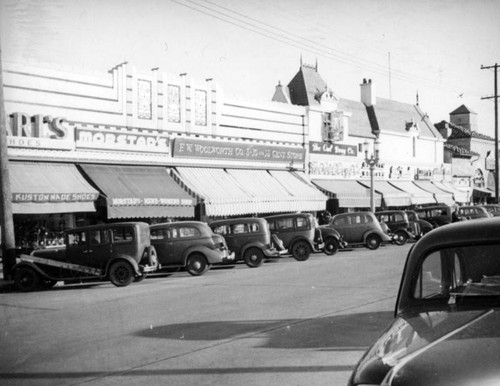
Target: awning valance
[
  {"x": 140, "y": 191},
  {"x": 240, "y": 191},
  {"x": 482, "y": 192},
  {"x": 391, "y": 195},
  {"x": 440, "y": 195},
  {"x": 458, "y": 195},
  {"x": 41, "y": 187},
  {"x": 418, "y": 196},
  {"x": 349, "y": 193}
]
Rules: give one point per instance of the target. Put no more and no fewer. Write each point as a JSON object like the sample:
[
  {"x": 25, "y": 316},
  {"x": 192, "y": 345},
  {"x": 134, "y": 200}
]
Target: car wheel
[
  {"x": 121, "y": 273},
  {"x": 26, "y": 279},
  {"x": 197, "y": 264},
  {"x": 401, "y": 238},
  {"x": 373, "y": 241},
  {"x": 301, "y": 251},
  {"x": 331, "y": 246},
  {"x": 141, "y": 277},
  {"x": 253, "y": 257},
  {"x": 47, "y": 283}
]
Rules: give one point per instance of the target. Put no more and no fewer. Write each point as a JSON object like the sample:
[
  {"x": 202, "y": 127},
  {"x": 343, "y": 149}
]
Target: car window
[
  {"x": 122, "y": 234},
  {"x": 340, "y": 222},
  {"x": 240, "y": 228},
  {"x": 98, "y": 236},
  {"x": 254, "y": 227},
  {"x": 222, "y": 229},
  {"x": 160, "y": 234},
  {"x": 398, "y": 217},
  {"x": 463, "y": 271},
  {"x": 366, "y": 219},
  {"x": 77, "y": 238},
  {"x": 185, "y": 232},
  {"x": 285, "y": 223},
  {"x": 301, "y": 222}
]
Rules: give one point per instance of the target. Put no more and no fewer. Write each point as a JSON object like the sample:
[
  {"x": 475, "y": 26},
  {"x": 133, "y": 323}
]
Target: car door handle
[{"x": 88, "y": 251}]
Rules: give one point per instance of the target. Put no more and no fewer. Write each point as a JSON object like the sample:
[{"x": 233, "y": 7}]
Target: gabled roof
[
  {"x": 463, "y": 132},
  {"x": 393, "y": 116},
  {"x": 460, "y": 151},
  {"x": 305, "y": 85},
  {"x": 359, "y": 123},
  {"x": 462, "y": 110}
]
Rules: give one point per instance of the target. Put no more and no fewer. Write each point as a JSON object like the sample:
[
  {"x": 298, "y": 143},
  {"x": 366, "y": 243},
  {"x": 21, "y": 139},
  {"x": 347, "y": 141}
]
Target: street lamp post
[{"x": 372, "y": 160}]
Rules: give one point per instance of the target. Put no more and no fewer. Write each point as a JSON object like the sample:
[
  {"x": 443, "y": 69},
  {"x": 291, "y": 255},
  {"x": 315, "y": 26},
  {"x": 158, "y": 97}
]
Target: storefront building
[
  {"x": 470, "y": 154},
  {"x": 145, "y": 146},
  {"x": 409, "y": 171}
]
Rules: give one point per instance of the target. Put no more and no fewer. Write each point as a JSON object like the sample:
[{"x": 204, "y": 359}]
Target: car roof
[
  {"x": 109, "y": 225},
  {"x": 238, "y": 220},
  {"x": 276, "y": 216},
  {"x": 174, "y": 223},
  {"x": 484, "y": 231}
]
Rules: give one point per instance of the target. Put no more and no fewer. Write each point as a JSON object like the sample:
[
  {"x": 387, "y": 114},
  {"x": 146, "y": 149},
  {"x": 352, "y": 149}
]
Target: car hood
[{"x": 435, "y": 348}]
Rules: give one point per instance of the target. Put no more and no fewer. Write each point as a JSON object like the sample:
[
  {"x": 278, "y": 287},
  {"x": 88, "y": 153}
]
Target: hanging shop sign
[
  {"x": 193, "y": 148},
  {"x": 137, "y": 201},
  {"x": 39, "y": 132},
  {"x": 54, "y": 197},
  {"x": 340, "y": 170},
  {"x": 121, "y": 139},
  {"x": 333, "y": 149}
]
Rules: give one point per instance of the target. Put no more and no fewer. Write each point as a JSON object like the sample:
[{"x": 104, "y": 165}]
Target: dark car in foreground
[
  {"x": 190, "y": 245},
  {"x": 249, "y": 238},
  {"x": 447, "y": 326},
  {"x": 119, "y": 252}
]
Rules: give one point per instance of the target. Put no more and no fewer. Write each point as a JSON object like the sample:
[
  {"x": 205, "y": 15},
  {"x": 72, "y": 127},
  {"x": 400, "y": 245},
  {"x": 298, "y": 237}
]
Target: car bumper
[{"x": 228, "y": 257}]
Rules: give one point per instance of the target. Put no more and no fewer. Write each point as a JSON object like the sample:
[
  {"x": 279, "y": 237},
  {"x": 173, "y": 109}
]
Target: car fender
[
  {"x": 33, "y": 266},
  {"x": 383, "y": 237},
  {"x": 133, "y": 262},
  {"x": 212, "y": 255}
]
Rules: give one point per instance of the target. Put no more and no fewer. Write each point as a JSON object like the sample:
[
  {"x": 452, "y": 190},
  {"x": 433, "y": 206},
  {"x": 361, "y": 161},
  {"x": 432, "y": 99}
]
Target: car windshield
[{"x": 468, "y": 271}]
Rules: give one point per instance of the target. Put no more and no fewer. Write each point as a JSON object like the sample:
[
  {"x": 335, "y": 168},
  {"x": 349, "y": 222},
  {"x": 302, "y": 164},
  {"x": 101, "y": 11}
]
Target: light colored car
[
  {"x": 360, "y": 228},
  {"x": 447, "y": 325},
  {"x": 493, "y": 209},
  {"x": 189, "y": 244}
]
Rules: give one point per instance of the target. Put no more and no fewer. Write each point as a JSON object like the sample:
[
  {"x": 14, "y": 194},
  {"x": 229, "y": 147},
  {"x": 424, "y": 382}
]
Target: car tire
[
  {"x": 254, "y": 257},
  {"x": 331, "y": 246},
  {"x": 197, "y": 264},
  {"x": 373, "y": 241},
  {"x": 401, "y": 238},
  {"x": 301, "y": 250},
  {"x": 121, "y": 273},
  {"x": 141, "y": 277},
  {"x": 26, "y": 279}
]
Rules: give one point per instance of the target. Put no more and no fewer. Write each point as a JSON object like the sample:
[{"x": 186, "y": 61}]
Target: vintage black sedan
[{"x": 447, "y": 326}]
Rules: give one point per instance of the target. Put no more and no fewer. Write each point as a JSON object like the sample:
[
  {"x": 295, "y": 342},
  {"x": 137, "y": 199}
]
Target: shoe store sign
[{"x": 194, "y": 148}]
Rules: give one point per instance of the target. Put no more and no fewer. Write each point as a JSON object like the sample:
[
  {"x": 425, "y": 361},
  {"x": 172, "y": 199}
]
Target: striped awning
[
  {"x": 391, "y": 195},
  {"x": 42, "y": 187},
  {"x": 418, "y": 196},
  {"x": 458, "y": 195},
  {"x": 440, "y": 195},
  {"x": 349, "y": 193},
  {"x": 228, "y": 192}
]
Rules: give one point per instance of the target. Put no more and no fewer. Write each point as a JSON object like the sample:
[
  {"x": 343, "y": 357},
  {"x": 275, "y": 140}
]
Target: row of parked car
[{"x": 127, "y": 252}]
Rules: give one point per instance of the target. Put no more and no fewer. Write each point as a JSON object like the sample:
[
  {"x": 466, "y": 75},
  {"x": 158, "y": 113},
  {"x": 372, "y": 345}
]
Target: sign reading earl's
[{"x": 192, "y": 148}]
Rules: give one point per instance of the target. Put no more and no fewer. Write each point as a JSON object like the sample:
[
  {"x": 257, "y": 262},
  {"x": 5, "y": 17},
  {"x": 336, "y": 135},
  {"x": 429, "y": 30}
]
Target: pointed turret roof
[{"x": 305, "y": 86}]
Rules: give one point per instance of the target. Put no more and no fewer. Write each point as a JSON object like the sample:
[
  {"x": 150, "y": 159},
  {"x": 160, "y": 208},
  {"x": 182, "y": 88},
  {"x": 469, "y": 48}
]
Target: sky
[{"x": 433, "y": 48}]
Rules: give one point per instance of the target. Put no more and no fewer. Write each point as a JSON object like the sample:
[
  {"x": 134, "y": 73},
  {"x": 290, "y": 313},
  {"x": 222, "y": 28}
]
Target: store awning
[
  {"x": 391, "y": 196},
  {"x": 240, "y": 191},
  {"x": 458, "y": 195},
  {"x": 349, "y": 193},
  {"x": 418, "y": 196},
  {"x": 140, "y": 191},
  {"x": 482, "y": 192},
  {"x": 40, "y": 187},
  {"x": 440, "y": 195}
]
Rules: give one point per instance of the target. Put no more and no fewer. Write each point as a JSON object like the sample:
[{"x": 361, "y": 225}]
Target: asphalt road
[{"x": 285, "y": 323}]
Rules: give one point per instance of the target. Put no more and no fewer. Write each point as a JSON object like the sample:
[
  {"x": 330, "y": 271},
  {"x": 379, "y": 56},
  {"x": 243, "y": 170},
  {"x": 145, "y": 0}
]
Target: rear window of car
[
  {"x": 77, "y": 238},
  {"x": 99, "y": 236},
  {"x": 185, "y": 232},
  {"x": 122, "y": 234}
]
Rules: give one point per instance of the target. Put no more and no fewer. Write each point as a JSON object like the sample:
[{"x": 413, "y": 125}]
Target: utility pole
[
  {"x": 7, "y": 221},
  {"x": 495, "y": 97}
]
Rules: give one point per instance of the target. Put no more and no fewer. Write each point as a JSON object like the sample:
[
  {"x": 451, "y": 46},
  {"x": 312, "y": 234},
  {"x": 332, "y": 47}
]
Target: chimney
[{"x": 368, "y": 94}]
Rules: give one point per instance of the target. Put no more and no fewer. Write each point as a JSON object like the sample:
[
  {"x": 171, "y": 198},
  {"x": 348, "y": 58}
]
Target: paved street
[{"x": 285, "y": 323}]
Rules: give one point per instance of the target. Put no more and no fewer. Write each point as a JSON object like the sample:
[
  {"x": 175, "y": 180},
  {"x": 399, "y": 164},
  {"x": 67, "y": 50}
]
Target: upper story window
[{"x": 333, "y": 127}]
